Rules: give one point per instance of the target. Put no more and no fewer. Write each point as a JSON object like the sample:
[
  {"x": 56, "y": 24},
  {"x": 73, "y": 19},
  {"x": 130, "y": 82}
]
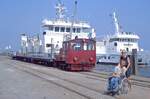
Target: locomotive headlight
[
  {"x": 91, "y": 59},
  {"x": 75, "y": 59}
]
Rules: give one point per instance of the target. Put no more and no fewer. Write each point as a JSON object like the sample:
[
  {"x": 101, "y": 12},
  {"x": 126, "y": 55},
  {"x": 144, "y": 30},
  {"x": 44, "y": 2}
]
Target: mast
[
  {"x": 116, "y": 23},
  {"x": 73, "y": 19}
]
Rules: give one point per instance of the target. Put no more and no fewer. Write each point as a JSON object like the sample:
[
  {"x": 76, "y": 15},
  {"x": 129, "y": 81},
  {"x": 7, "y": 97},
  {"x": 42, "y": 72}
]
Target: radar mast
[
  {"x": 60, "y": 10},
  {"x": 116, "y": 23}
]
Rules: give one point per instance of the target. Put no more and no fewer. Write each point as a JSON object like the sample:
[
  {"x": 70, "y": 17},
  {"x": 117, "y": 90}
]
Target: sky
[{"x": 25, "y": 16}]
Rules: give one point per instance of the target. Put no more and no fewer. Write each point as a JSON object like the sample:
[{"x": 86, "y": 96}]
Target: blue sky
[{"x": 25, "y": 16}]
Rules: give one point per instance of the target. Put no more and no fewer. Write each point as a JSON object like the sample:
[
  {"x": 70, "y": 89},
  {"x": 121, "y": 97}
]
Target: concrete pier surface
[{"x": 20, "y": 80}]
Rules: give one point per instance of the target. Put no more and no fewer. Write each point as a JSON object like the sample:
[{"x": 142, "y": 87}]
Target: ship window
[
  {"x": 86, "y": 30},
  {"x": 127, "y": 49},
  {"x": 129, "y": 40},
  {"x": 56, "y": 29},
  {"x": 115, "y": 44},
  {"x": 74, "y": 30},
  {"x": 114, "y": 39},
  {"x": 67, "y": 29},
  {"x": 120, "y": 40},
  {"x": 123, "y": 40},
  {"x": 78, "y": 30},
  {"x": 117, "y": 39},
  {"x": 44, "y": 33},
  {"x": 62, "y": 29},
  {"x": 50, "y": 28},
  {"x": 48, "y": 45}
]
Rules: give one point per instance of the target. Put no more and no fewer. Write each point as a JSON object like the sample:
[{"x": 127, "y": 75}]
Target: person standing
[{"x": 126, "y": 62}]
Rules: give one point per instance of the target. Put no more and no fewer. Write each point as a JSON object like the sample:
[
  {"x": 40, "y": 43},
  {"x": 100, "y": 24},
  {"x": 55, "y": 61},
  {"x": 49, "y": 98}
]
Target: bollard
[{"x": 134, "y": 62}]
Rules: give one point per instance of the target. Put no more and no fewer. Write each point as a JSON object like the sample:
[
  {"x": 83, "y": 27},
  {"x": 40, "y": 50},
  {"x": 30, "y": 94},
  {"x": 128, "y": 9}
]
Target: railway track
[
  {"x": 39, "y": 73},
  {"x": 98, "y": 76},
  {"x": 89, "y": 75},
  {"x": 105, "y": 76}
]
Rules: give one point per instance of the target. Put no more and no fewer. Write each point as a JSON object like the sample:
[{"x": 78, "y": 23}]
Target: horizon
[{"x": 19, "y": 17}]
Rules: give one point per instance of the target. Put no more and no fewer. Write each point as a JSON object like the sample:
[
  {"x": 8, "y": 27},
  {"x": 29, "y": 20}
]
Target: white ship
[
  {"x": 108, "y": 48},
  {"x": 61, "y": 29}
]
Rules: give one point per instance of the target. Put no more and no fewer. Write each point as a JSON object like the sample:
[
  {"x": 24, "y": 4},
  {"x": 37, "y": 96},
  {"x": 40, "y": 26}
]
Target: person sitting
[{"x": 115, "y": 80}]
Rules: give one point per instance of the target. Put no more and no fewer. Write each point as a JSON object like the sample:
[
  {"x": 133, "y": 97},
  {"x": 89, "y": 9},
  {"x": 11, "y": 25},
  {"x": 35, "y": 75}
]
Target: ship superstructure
[{"x": 61, "y": 29}]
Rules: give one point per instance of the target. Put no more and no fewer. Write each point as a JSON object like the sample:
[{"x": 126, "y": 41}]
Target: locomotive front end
[{"x": 82, "y": 54}]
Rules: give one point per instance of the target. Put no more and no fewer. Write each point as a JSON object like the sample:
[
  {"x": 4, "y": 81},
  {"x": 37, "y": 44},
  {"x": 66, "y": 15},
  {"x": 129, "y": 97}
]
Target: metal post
[
  {"x": 134, "y": 62},
  {"x": 52, "y": 48}
]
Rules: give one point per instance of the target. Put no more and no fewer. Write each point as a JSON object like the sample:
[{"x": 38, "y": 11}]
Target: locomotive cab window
[
  {"x": 89, "y": 46},
  {"x": 85, "y": 46},
  {"x": 76, "y": 46}
]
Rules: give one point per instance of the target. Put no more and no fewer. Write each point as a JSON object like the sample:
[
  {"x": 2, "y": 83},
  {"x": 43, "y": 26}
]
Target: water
[{"x": 144, "y": 71}]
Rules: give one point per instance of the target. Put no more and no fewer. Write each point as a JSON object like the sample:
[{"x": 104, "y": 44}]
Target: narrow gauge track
[
  {"x": 66, "y": 80},
  {"x": 90, "y": 75},
  {"x": 99, "y": 76},
  {"x": 104, "y": 76}
]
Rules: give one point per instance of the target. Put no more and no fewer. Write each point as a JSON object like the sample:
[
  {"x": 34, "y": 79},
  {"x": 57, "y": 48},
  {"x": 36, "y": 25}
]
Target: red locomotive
[{"x": 77, "y": 55}]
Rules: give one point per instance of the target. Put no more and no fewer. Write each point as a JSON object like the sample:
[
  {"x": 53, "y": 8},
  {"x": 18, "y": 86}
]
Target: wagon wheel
[{"x": 68, "y": 67}]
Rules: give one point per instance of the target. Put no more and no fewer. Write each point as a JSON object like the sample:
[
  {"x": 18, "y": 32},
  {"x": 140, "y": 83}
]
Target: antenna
[
  {"x": 116, "y": 23},
  {"x": 75, "y": 10}
]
